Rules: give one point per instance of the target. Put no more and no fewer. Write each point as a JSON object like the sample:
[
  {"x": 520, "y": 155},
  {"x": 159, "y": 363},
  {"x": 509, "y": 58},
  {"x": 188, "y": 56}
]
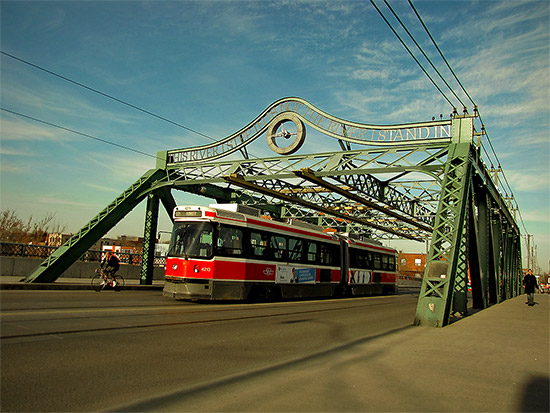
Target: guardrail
[{"x": 12, "y": 249}]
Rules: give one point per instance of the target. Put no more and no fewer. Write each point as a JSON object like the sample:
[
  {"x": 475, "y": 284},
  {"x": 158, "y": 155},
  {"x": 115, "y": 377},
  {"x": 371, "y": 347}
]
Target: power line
[
  {"x": 77, "y": 132},
  {"x": 412, "y": 55},
  {"x": 106, "y": 95},
  {"x": 423, "y": 53},
  {"x": 437, "y": 71},
  {"x": 463, "y": 89},
  {"x": 440, "y": 52},
  {"x": 457, "y": 79}
]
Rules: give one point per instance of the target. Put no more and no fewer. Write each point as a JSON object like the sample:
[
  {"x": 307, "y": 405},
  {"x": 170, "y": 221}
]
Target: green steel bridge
[{"x": 422, "y": 181}]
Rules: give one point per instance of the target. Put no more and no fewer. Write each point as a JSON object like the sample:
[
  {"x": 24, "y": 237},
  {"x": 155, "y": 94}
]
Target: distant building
[
  {"x": 124, "y": 244},
  {"x": 411, "y": 265},
  {"x": 57, "y": 239}
]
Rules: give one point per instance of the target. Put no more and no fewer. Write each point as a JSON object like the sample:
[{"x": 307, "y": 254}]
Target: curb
[{"x": 54, "y": 286}]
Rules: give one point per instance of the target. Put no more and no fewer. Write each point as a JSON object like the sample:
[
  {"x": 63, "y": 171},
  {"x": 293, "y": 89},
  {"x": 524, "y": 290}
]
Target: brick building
[{"x": 411, "y": 265}]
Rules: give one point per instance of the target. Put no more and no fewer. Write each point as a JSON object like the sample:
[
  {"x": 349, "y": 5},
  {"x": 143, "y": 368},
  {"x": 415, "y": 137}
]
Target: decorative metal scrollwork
[{"x": 300, "y": 113}]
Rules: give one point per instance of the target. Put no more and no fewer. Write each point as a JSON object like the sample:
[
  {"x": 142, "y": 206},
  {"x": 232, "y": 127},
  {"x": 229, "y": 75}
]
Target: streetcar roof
[{"x": 247, "y": 215}]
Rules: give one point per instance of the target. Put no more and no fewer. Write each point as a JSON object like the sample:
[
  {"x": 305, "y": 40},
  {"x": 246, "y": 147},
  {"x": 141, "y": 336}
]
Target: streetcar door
[{"x": 344, "y": 262}]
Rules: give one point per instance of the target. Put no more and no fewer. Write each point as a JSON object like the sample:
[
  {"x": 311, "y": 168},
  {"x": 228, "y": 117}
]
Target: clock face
[
  {"x": 403, "y": 261},
  {"x": 286, "y": 133}
]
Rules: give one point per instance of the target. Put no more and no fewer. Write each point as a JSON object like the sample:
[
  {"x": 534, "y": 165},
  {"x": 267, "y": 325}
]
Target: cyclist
[{"x": 112, "y": 265}]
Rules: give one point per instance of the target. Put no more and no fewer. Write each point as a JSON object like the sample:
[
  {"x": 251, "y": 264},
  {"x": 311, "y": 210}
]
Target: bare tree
[{"x": 14, "y": 229}]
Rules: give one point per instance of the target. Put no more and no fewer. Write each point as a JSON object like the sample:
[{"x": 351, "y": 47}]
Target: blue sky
[{"x": 213, "y": 66}]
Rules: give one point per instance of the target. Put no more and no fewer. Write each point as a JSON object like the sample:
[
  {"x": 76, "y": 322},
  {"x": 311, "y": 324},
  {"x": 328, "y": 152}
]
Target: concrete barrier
[{"x": 22, "y": 267}]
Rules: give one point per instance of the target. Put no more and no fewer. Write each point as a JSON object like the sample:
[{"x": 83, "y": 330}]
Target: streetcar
[{"x": 232, "y": 252}]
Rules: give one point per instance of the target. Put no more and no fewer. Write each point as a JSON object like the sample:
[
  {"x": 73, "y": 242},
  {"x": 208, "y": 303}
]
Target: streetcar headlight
[{"x": 174, "y": 266}]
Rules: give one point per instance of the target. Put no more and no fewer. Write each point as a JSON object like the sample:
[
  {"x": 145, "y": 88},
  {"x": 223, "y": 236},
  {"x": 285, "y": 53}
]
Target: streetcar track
[
  {"x": 187, "y": 309},
  {"x": 188, "y": 322}
]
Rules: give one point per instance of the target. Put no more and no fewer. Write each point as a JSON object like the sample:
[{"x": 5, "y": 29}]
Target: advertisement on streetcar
[{"x": 288, "y": 274}]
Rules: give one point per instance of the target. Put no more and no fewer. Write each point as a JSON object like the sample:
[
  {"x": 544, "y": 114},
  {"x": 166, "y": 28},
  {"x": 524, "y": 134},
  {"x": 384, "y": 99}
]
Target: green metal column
[
  {"x": 496, "y": 236},
  {"x": 149, "y": 239},
  {"x": 506, "y": 258},
  {"x": 448, "y": 250},
  {"x": 484, "y": 240},
  {"x": 460, "y": 293},
  {"x": 474, "y": 254},
  {"x": 511, "y": 259}
]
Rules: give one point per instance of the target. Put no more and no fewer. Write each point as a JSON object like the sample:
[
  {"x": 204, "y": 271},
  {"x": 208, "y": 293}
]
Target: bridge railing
[{"x": 12, "y": 249}]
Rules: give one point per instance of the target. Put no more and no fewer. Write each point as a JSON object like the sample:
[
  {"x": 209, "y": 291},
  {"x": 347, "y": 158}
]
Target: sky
[{"x": 213, "y": 66}]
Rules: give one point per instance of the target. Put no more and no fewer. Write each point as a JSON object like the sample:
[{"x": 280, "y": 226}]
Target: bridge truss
[{"x": 423, "y": 181}]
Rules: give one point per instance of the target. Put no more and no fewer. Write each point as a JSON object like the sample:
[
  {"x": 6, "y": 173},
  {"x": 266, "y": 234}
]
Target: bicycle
[{"x": 103, "y": 280}]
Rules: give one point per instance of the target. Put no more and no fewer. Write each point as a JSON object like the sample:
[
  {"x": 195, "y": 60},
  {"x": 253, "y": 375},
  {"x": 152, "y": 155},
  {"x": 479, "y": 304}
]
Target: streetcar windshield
[{"x": 191, "y": 240}]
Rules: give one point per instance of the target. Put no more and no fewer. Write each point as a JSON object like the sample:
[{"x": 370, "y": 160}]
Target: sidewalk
[{"x": 67, "y": 283}]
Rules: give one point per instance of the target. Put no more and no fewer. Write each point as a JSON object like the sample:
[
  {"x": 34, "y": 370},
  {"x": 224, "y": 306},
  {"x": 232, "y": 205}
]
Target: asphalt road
[{"x": 137, "y": 350}]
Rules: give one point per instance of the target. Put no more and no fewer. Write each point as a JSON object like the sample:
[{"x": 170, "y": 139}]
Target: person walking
[{"x": 530, "y": 283}]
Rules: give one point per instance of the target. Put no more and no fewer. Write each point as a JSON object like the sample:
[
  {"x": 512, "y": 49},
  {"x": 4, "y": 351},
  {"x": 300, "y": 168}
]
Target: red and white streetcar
[{"x": 230, "y": 252}]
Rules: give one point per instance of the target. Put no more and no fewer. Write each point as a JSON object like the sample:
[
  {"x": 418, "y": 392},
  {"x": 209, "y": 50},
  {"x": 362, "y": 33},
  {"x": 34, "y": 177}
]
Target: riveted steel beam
[
  {"x": 240, "y": 181},
  {"x": 309, "y": 175}
]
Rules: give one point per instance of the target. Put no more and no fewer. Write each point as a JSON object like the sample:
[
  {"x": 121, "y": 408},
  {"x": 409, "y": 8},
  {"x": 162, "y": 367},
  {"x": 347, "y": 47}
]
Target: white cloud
[
  {"x": 102, "y": 188},
  {"x": 47, "y": 100},
  {"x": 539, "y": 216},
  {"x": 13, "y": 152},
  {"x": 528, "y": 182},
  {"x": 11, "y": 168},
  {"x": 55, "y": 200},
  {"x": 23, "y": 130}
]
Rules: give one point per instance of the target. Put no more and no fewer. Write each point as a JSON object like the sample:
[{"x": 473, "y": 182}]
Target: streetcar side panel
[
  {"x": 372, "y": 270},
  {"x": 224, "y": 255}
]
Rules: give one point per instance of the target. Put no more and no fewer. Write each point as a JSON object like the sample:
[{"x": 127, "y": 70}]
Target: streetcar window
[
  {"x": 312, "y": 252},
  {"x": 295, "y": 247},
  {"x": 377, "y": 264},
  {"x": 328, "y": 254},
  {"x": 385, "y": 262},
  {"x": 392, "y": 262},
  {"x": 258, "y": 243},
  {"x": 368, "y": 258},
  {"x": 360, "y": 259},
  {"x": 277, "y": 244},
  {"x": 230, "y": 241},
  {"x": 191, "y": 240},
  {"x": 354, "y": 258}
]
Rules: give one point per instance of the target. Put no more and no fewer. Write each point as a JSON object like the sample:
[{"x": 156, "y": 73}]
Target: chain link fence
[{"x": 11, "y": 249}]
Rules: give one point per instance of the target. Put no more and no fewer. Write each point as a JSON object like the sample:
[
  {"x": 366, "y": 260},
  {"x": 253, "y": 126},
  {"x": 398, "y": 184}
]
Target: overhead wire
[
  {"x": 106, "y": 95},
  {"x": 423, "y": 53},
  {"x": 476, "y": 111},
  {"x": 22, "y": 115},
  {"x": 65, "y": 78},
  {"x": 450, "y": 88},
  {"x": 461, "y": 86},
  {"x": 410, "y": 52},
  {"x": 440, "y": 52}
]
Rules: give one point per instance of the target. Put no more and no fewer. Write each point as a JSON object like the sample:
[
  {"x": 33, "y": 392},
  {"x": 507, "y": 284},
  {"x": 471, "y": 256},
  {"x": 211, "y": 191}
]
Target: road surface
[{"x": 137, "y": 350}]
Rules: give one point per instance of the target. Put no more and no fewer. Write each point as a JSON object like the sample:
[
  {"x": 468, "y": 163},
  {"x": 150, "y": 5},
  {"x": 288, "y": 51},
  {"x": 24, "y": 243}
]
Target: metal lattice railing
[{"x": 11, "y": 249}]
